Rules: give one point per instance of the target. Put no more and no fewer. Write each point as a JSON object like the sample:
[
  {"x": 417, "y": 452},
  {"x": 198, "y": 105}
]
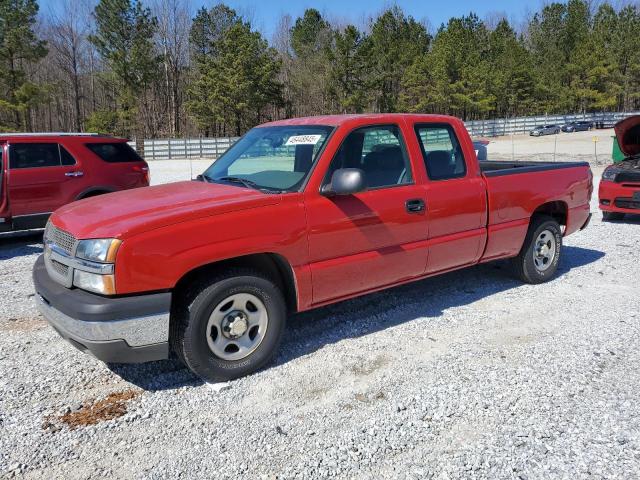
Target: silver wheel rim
[
  {"x": 544, "y": 250},
  {"x": 237, "y": 326}
]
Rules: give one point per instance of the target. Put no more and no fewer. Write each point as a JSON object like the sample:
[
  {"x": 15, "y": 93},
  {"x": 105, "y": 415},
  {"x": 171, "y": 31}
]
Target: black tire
[
  {"x": 524, "y": 265},
  {"x": 191, "y": 313},
  {"x": 612, "y": 216}
]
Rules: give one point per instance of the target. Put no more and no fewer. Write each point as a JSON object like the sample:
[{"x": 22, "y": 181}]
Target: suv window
[
  {"x": 379, "y": 152},
  {"x": 34, "y": 155},
  {"x": 114, "y": 152},
  {"x": 441, "y": 152},
  {"x": 65, "y": 157}
]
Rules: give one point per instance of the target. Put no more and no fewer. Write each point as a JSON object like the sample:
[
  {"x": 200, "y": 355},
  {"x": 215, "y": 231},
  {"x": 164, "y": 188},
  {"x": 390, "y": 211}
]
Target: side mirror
[{"x": 345, "y": 181}]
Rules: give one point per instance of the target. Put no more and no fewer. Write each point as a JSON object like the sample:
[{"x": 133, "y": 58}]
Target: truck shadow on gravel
[
  {"x": 20, "y": 244},
  {"x": 310, "y": 331},
  {"x": 628, "y": 219}
]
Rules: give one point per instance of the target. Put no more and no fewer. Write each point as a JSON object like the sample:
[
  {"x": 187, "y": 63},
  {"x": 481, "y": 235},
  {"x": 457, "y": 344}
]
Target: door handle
[
  {"x": 74, "y": 174},
  {"x": 415, "y": 205}
]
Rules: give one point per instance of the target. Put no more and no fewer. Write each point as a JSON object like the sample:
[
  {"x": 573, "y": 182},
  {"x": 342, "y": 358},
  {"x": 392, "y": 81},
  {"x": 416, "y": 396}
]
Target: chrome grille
[
  {"x": 59, "y": 248},
  {"x": 63, "y": 240},
  {"x": 60, "y": 268}
]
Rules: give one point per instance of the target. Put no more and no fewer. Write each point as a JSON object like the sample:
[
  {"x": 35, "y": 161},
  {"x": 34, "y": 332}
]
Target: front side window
[
  {"x": 271, "y": 158},
  {"x": 441, "y": 151},
  {"x": 114, "y": 152},
  {"x": 379, "y": 152},
  {"x": 34, "y": 155}
]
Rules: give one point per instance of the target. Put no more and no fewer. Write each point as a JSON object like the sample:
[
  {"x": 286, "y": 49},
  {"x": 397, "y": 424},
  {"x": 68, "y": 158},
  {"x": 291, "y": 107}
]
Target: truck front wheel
[
  {"x": 229, "y": 326},
  {"x": 538, "y": 259}
]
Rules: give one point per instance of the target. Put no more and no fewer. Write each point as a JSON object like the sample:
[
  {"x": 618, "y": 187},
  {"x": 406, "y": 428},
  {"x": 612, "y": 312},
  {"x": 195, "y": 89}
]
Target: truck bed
[{"x": 493, "y": 168}]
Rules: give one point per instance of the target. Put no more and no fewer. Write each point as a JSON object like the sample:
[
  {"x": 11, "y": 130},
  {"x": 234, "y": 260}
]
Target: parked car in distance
[
  {"x": 619, "y": 191},
  {"x": 581, "y": 126},
  {"x": 545, "y": 130},
  {"x": 297, "y": 214},
  {"x": 40, "y": 172}
]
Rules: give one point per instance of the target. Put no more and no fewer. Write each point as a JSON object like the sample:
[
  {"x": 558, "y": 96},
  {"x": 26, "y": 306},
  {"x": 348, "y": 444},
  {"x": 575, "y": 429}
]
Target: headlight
[
  {"x": 100, "y": 250},
  {"x": 94, "y": 282},
  {"x": 610, "y": 174}
]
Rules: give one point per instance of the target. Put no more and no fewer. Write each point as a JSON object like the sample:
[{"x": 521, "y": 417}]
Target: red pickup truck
[
  {"x": 40, "y": 172},
  {"x": 298, "y": 213},
  {"x": 619, "y": 191}
]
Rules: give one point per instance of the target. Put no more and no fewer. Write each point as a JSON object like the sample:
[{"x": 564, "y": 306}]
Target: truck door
[
  {"x": 37, "y": 180},
  {"x": 456, "y": 199},
  {"x": 372, "y": 238}
]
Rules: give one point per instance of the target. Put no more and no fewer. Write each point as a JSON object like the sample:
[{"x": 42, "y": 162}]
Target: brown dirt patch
[
  {"x": 91, "y": 413},
  {"x": 22, "y": 324}
]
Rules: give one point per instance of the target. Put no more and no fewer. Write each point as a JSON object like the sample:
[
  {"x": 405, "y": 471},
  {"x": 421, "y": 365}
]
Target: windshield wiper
[
  {"x": 243, "y": 181},
  {"x": 203, "y": 177},
  {"x": 247, "y": 183}
]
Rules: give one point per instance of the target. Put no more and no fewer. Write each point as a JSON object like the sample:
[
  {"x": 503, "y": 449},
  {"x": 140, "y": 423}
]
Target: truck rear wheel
[
  {"x": 538, "y": 259},
  {"x": 612, "y": 216},
  {"x": 230, "y": 327}
]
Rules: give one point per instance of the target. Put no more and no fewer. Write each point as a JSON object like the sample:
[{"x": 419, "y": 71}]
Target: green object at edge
[{"x": 616, "y": 154}]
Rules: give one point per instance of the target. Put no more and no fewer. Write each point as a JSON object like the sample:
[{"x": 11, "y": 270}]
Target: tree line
[{"x": 156, "y": 69}]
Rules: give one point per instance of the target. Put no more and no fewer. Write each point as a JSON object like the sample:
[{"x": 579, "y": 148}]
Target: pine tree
[
  {"x": 396, "y": 41},
  {"x": 19, "y": 46},
  {"x": 237, "y": 83},
  {"x": 349, "y": 60},
  {"x": 124, "y": 40}
]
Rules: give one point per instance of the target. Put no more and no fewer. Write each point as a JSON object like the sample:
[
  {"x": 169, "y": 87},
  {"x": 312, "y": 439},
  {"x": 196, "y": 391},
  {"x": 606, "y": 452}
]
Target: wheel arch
[
  {"x": 274, "y": 265},
  {"x": 557, "y": 209},
  {"x": 94, "y": 191}
]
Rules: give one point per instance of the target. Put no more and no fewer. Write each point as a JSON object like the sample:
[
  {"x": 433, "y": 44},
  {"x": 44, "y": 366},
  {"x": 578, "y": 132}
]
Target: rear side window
[
  {"x": 65, "y": 157},
  {"x": 441, "y": 152},
  {"x": 34, "y": 155},
  {"x": 114, "y": 152}
]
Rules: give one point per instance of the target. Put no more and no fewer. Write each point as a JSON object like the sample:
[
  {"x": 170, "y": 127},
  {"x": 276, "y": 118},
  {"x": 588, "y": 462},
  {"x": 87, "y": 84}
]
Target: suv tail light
[{"x": 144, "y": 169}]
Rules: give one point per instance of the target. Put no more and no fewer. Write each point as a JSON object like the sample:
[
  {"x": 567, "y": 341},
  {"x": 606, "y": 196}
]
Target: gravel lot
[{"x": 467, "y": 375}]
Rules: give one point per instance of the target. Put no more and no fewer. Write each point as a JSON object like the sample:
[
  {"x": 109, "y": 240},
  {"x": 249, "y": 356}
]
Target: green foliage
[
  {"x": 349, "y": 60},
  {"x": 124, "y": 39},
  {"x": 396, "y": 41},
  {"x": 19, "y": 46},
  {"x": 106, "y": 122},
  {"x": 309, "y": 81},
  {"x": 236, "y": 80},
  {"x": 310, "y": 35},
  {"x": 208, "y": 28}
]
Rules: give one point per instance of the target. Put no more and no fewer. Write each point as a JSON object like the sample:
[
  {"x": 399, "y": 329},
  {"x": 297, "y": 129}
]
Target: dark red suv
[{"x": 40, "y": 172}]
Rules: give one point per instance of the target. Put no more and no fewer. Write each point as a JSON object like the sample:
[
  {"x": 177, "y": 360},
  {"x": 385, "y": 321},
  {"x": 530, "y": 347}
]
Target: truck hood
[
  {"x": 628, "y": 135},
  {"x": 127, "y": 213}
]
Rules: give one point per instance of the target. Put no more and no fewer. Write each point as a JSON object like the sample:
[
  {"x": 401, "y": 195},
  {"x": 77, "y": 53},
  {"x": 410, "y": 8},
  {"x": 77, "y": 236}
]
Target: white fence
[
  {"x": 515, "y": 125},
  {"x": 212, "y": 148},
  {"x": 176, "y": 148}
]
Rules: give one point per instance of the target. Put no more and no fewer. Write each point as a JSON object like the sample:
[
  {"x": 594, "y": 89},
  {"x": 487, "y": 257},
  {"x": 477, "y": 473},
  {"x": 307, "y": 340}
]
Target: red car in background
[
  {"x": 40, "y": 172},
  {"x": 619, "y": 191}
]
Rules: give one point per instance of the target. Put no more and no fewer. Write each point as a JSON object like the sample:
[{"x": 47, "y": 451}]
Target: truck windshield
[{"x": 271, "y": 158}]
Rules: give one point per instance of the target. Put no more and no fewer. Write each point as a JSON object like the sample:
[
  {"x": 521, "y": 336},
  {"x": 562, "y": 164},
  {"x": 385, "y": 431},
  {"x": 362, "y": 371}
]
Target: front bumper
[
  {"x": 130, "y": 329},
  {"x": 617, "y": 197}
]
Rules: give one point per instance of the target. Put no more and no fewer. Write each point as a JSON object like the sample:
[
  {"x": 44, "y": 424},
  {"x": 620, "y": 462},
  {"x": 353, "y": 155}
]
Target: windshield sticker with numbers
[{"x": 303, "y": 140}]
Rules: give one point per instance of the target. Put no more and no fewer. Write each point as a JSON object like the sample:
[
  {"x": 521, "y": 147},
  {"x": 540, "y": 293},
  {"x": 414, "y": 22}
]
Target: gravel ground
[
  {"x": 467, "y": 375},
  {"x": 564, "y": 147}
]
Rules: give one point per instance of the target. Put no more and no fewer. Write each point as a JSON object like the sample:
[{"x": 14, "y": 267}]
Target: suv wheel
[
  {"x": 229, "y": 327},
  {"x": 538, "y": 259}
]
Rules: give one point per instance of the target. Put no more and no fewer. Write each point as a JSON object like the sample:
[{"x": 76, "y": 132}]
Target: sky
[{"x": 264, "y": 15}]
